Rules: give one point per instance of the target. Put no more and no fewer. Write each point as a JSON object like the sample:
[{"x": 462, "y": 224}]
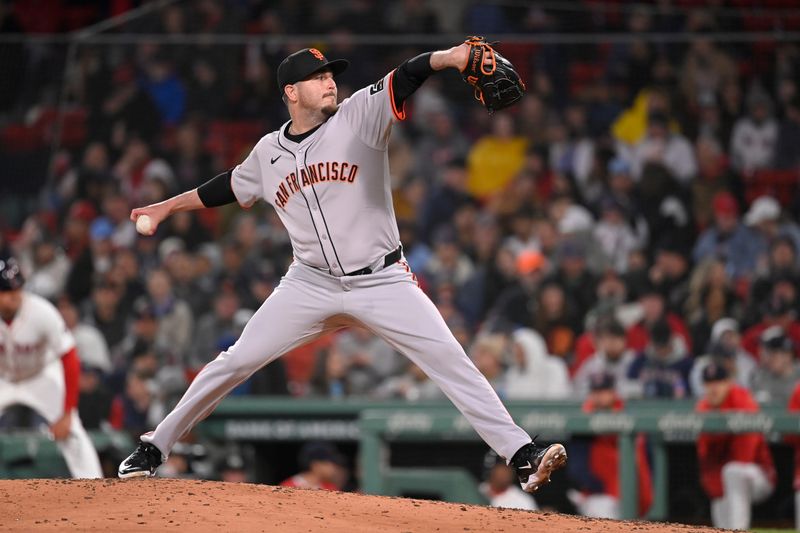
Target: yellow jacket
[{"x": 492, "y": 164}]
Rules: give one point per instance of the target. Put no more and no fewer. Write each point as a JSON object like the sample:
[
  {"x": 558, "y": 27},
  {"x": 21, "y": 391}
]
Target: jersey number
[{"x": 376, "y": 87}]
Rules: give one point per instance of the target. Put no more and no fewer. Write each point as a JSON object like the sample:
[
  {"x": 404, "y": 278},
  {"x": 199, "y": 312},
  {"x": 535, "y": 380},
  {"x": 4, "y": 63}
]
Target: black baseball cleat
[
  {"x": 143, "y": 462},
  {"x": 534, "y": 464}
]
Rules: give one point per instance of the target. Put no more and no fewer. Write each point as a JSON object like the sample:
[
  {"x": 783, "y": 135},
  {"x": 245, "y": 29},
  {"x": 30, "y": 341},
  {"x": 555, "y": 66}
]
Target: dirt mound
[{"x": 201, "y": 506}]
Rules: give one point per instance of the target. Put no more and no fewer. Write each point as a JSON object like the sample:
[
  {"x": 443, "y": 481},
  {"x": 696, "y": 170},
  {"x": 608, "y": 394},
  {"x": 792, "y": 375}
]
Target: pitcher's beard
[{"x": 330, "y": 110}]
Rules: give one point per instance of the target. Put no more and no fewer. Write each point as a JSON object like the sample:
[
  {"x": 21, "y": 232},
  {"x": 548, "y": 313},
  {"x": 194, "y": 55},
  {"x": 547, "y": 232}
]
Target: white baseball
[{"x": 144, "y": 225}]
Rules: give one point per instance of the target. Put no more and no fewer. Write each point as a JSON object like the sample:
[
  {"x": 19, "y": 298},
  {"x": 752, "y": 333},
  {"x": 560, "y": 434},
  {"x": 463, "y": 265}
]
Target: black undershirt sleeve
[
  {"x": 217, "y": 191},
  {"x": 409, "y": 77}
]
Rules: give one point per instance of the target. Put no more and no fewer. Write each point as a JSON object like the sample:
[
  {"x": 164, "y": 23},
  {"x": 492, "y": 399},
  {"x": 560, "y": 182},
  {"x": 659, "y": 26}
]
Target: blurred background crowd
[{"x": 635, "y": 214}]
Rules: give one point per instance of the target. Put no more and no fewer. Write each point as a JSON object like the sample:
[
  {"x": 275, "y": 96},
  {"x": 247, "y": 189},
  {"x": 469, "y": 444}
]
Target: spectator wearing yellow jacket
[{"x": 495, "y": 159}]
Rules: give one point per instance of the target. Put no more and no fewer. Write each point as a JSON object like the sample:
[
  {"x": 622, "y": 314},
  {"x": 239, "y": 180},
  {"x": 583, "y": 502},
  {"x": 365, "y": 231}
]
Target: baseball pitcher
[{"x": 326, "y": 173}]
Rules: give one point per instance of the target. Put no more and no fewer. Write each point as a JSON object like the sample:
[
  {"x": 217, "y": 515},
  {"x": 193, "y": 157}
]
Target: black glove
[{"x": 497, "y": 84}]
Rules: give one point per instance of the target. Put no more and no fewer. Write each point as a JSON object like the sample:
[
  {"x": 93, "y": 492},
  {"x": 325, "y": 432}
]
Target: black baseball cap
[
  {"x": 775, "y": 339},
  {"x": 610, "y": 326},
  {"x": 601, "y": 381},
  {"x": 714, "y": 372},
  {"x": 319, "y": 451},
  {"x": 722, "y": 351},
  {"x": 10, "y": 275},
  {"x": 661, "y": 333},
  {"x": 304, "y": 63},
  {"x": 143, "y": 309}
]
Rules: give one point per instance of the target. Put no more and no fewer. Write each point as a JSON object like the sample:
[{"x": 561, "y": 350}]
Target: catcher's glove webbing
[{"x": 497, "y": 84}]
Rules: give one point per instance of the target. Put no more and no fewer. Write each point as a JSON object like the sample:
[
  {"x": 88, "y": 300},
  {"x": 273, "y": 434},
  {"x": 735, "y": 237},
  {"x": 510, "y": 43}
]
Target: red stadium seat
[
  {"x": 780, "y": 4},
  {"x": 791, "y": 21},
  {"x": 77, "y": 17},
  {"x": 39, "y": 16},
  {"x": 759, "y": 22},
  {"x": 521, "y": 56},
  {"x": 20, "y": 138},
  {"x": 781, "y": 184},
  {"x": 582, "y": 74}
]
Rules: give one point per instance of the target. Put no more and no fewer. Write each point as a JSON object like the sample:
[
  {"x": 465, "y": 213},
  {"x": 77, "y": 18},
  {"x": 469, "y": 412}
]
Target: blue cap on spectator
[
  {"x": 619, "y": 165},
  {"x": 101, "y": 229}
]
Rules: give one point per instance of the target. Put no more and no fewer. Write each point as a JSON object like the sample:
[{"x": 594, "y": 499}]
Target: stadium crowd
[{"x": 633, "y": 217}]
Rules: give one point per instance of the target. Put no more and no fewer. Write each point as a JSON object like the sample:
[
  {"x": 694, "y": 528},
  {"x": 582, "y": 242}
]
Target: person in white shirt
[
  {"x": 725, "y": 349},
  {"x": 755, "y": 136},
  {"x": 533, "y": 373},
  {"x": 614, "y": 234},
  {"x": 612, "y": 357},
  {"x": 661, "y": 146}
]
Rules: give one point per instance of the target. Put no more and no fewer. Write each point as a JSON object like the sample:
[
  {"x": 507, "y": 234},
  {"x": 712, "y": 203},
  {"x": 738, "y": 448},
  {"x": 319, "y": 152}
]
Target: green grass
[{"x": 772, "y": 530}]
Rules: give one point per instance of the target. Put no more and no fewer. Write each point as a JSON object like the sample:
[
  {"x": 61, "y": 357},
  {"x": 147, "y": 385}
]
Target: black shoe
[
  {"x": 142, "y": 462},
  {"x": 534, "y": 464}
]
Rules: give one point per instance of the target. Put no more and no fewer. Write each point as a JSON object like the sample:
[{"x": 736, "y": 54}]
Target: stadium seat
[{"x": 782, "y": 184}]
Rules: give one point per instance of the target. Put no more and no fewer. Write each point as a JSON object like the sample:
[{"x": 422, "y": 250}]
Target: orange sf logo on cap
[{"x": 316, "y": 53}]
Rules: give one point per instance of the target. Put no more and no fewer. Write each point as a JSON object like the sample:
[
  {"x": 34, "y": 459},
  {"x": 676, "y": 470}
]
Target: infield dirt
[{"x": 205, "y": 506}]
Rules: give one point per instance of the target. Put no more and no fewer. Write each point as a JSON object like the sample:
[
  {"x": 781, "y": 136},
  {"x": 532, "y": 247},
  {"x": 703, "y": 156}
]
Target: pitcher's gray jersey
[{"x": 332, "y": 190}]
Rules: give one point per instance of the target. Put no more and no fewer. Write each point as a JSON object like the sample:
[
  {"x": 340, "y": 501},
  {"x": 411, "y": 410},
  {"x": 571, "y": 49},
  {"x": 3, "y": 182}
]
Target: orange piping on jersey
[{"x": 399, "y": 115}]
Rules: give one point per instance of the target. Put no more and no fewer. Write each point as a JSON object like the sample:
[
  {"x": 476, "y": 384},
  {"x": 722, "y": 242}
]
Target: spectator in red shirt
[
  {"x": 321, "y": 465},
  {"x": 594, "y": 462},
  {"x": 778, "y": 311},
  {"x": 653, "y": 308},
  {"x": 736, "y": 470}
]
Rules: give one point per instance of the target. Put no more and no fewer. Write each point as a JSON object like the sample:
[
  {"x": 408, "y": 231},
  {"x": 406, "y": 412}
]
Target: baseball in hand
[{"x": 144, "y": 225}]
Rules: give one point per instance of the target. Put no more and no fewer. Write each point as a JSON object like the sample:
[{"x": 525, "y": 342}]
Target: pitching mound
[{"x": 204, "y": 506}]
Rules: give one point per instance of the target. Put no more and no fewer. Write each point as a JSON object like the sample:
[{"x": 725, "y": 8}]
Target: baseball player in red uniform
[
  {"x": 39, "y": 368},
  {"x": 326, "y": 173},
  {"x": 736, "y": 470},
  {"x": 595, "y": 461},
  {"x": 321, "y": 467}
]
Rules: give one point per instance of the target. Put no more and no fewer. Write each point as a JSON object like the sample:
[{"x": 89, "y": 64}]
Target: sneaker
[
  {"x": 534, "y": 464},
  {"x": 142, "y": 462}
]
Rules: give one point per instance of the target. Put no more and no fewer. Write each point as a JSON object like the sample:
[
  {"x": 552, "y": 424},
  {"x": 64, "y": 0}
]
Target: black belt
[{"x": 389, "y": 259}]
